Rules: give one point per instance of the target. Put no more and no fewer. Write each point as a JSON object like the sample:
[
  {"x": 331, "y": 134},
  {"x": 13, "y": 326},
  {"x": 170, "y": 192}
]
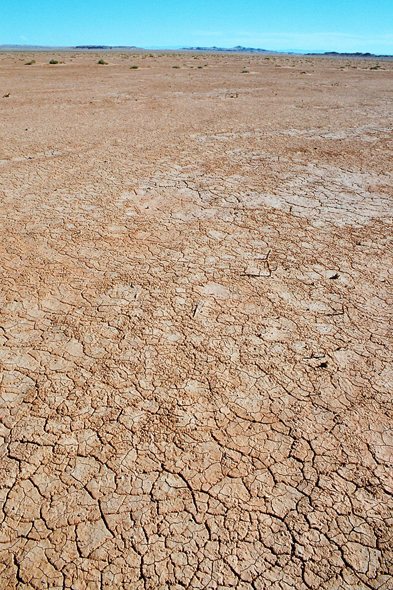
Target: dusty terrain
[{"x": 196, "y": 323}]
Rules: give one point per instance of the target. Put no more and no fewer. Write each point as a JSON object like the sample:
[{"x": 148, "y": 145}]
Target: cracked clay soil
[{"x": 196, "y": 267}]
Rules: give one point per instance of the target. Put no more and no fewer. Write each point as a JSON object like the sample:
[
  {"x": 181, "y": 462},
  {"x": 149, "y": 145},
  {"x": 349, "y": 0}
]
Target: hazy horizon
[
  {"x": 103, "y": 46},
  {"x": 337, "y": 25}
]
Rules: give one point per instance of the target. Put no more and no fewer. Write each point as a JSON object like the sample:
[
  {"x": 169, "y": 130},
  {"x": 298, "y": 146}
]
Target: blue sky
[{"x": 338, "y": 25}]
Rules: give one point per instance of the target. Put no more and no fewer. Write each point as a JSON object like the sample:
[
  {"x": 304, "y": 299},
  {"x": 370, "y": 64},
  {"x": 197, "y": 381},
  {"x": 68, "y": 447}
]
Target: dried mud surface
[{"x": 196, "y": 323}]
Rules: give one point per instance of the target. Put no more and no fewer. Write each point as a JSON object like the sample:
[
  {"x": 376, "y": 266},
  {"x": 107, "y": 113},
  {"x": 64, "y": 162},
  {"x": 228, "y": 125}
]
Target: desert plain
[{"x": 196, "y": 259}]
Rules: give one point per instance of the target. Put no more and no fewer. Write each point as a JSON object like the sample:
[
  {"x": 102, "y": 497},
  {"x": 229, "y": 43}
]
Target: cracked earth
[{"x": 196, "y": 323}]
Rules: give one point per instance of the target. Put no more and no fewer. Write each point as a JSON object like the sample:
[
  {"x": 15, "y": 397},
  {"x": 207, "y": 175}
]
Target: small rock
[{"x": 333, "y": 275}]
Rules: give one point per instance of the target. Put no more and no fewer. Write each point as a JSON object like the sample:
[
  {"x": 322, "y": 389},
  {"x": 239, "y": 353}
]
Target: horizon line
[{"x": 234, "y": 49}]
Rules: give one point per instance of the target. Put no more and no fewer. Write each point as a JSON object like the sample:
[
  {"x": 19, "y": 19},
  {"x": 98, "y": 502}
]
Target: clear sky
[{"x": 337, "y": 25}]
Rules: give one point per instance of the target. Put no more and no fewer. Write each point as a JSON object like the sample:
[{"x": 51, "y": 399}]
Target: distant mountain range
[
  {"x": 105, "y": 47},
  {"x": 237, "y": 49},
  {"x": 357, "y": 54},
  {"x": 71, "y": 48},
  {"x": 240, "y": 49}
]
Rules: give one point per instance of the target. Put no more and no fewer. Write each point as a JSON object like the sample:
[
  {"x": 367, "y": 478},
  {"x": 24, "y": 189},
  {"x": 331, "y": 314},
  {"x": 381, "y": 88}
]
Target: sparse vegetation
[
  {"x": 102, "y": 62},
  {"x": 53, "y": 62},
  {"x": 30, "y": 63},
  {"x": 200, "y": 67},
  {"x": 133, "y": 67},
  {"x": 176, "y": 67},
  {"x": 245, "y": 71}
]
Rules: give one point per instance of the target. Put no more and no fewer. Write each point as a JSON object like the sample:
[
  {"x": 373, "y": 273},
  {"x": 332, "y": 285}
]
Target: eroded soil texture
[{"x": 196, "y": 323}]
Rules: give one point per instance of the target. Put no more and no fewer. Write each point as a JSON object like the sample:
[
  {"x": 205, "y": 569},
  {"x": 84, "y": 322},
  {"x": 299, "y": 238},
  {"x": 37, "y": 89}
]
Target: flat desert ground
[{"x": 196, "y": 322}]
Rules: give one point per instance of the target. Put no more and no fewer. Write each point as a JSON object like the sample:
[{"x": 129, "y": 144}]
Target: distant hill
[
  {"x": 29, "y": 48},
  {"x": 237, "y": 49},
  {"x": 105, "y": 47},
  {"x": 71, "y": 48},
  {"x": 357, "y": 54}
]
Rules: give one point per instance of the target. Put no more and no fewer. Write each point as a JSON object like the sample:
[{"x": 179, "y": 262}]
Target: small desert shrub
[
  {"x": 200, "y": 67},
  {"x": 133, "y": 67},
  {"x": 245, "y": 71},
  {"x": 176, "y": 67},
  {"x": 375, "y": 67},
  {"x": 102, "y": 62},
  {"x": 30, "y": 63},
  {"x": 53, "y": 62}
]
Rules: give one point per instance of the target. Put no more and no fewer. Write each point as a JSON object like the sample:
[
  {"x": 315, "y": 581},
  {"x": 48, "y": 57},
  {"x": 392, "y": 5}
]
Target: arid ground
[{"x": 196, "y": 322}]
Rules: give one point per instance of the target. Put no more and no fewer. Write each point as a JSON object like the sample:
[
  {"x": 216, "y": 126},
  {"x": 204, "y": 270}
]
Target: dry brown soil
[{"x": 196, "y": 323}]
